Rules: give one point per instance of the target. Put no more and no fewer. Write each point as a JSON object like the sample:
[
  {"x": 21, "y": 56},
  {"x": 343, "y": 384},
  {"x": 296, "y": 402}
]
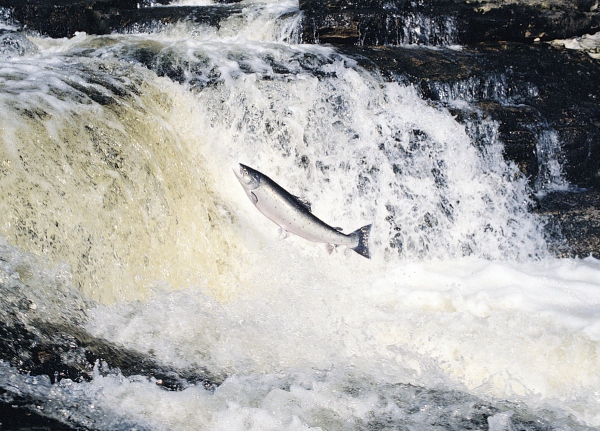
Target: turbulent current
[{"x": 121, "y": 219}]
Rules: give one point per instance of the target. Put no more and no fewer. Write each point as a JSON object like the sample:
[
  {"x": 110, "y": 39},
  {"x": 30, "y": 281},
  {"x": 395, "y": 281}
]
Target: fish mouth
[
  {"x": 238, "y": 173},
  {"x": 244, "y": 176},
  {"x": 248, "y": 177}
]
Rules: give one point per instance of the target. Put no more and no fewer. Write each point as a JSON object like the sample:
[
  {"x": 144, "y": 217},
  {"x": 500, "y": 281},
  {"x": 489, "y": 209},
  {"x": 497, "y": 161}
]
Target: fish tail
[{"x": 363, "y": 235}]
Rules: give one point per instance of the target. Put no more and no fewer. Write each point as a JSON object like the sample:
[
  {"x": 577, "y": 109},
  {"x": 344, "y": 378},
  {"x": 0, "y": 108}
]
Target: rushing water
[{"x": 120, "y": 215}]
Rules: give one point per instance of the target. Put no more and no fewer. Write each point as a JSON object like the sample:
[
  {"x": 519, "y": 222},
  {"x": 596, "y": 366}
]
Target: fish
[{"x": 294, "y": 215}]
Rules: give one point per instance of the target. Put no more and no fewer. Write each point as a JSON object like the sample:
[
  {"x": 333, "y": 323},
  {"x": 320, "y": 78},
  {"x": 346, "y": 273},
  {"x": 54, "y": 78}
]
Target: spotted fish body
[{"x": 293, "y": 214}]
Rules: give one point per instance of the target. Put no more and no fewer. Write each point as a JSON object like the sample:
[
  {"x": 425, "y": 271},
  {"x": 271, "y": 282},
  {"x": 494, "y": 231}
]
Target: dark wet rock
[
  {"x": 573, "y": 222},
  {"x": 71, "y": 353},
  {"x": 63, "y": 18},
  {"x": 371, "y": 22},
  {"x": 56, "y": 353},
  {"x": 18, "y": 416},
  {"x": 442, "y": 22}
]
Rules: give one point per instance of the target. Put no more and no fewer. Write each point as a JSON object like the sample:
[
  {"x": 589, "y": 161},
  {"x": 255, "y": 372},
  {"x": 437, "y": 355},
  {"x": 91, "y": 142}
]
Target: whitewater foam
[{"x": 461, "y": 317}]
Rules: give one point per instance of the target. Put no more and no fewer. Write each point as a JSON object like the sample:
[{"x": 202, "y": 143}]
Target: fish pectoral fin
[
  {"x": 304, "y": 202},
  {"x": 253, "y": 198},
  {"x": 283, "y": 234}
]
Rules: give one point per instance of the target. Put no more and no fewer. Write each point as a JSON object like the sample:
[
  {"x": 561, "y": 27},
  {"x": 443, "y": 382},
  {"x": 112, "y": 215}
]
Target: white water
[
  {"x": 123, "y": 179},
  {"x": 550, "y": 178}
]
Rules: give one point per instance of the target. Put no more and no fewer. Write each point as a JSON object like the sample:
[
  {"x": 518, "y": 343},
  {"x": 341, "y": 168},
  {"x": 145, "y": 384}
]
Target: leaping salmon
[{"x": 292, "y": 214}]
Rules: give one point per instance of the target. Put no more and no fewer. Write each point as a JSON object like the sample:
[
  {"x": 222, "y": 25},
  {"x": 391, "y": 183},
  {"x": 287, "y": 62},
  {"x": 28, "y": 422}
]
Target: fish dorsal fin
[{"x": 304, "y": 202}]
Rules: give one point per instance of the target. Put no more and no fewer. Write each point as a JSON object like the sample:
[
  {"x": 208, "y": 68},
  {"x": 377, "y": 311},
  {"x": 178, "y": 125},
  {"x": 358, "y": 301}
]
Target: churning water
[{"x": 120, "y": 214}]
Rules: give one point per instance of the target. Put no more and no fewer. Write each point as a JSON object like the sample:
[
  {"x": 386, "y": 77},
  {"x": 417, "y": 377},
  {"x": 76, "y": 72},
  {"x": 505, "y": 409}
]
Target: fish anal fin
[
  {"x": 339, "y": 229},
  {"x": 328, "y": 247}
]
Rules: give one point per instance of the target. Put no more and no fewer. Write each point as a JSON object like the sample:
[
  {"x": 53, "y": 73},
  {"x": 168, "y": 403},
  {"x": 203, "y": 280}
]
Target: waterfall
[{"x": 124, "y": 229}]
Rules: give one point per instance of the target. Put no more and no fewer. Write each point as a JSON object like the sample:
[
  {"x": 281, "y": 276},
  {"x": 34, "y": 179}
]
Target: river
[{"x": 120, "y": 215}]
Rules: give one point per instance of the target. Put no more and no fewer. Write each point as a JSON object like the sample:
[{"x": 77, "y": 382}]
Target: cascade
[{"x": 142, "y": 289}]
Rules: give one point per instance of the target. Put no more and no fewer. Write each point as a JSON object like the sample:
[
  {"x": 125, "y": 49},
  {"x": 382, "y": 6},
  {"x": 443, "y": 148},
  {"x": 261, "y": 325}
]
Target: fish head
[{"x": 248, "y": 177}]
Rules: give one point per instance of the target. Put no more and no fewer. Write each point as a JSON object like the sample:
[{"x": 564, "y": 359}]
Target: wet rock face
[
  {"x": 68, "y": 352},
  {"x": 369, "y": 23},
  {"x": 574, "y": 218},
  {"x": 16, "y": 417},
  {"x": 444, "y": 22},
  {"x": 525, "y": 88},
  {"x": 62, "y": 18}
]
